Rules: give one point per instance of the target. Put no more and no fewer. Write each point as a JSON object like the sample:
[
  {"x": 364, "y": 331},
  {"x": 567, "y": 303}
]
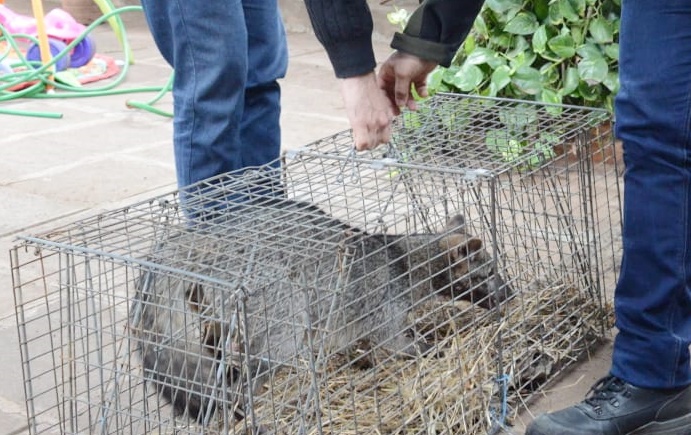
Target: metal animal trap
[{"x": 429, "y": 286}]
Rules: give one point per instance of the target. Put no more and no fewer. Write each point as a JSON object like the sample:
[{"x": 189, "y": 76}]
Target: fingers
[
  {"x": 373, "y": 101},
  {"x": 368, "y": 138},
  {"x": 399, "y": 72},
  {"x": 372, "y": 122},
  {"x": 369, "y": 109},
  {"x": 402, "y": 90}
]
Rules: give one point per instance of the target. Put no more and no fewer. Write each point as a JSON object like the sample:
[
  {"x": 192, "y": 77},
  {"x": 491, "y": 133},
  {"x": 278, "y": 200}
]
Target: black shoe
[{"x": 614, "y": 407}]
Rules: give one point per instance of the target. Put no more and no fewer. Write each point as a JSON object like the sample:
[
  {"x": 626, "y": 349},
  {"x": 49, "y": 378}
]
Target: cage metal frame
[{"x": 336, "y": 152}]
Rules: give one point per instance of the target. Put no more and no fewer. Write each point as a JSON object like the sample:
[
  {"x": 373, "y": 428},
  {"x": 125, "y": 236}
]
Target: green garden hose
[{"x": 36, "y": 79}]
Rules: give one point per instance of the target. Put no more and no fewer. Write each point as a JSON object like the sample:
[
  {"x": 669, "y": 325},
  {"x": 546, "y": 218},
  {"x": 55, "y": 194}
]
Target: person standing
[
  {"x": 227, "y": 56},
  {"x": 647, "y": 389}
]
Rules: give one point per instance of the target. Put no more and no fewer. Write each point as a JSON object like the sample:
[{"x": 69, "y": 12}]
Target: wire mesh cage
[{"x": 429, "y": 286}]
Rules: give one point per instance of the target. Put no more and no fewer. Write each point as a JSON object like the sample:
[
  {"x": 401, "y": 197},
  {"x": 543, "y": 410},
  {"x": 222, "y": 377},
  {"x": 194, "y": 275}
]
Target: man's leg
[
  {"x": 206, "y": 43},
  {"x": 653, "y": 296},
  {"x": 267, "y": 62},
  {"x": 650, "y": 368}
]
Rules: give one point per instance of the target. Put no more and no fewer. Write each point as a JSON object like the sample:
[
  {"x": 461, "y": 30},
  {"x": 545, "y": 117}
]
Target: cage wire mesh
[{"x": 429, "y": 286}]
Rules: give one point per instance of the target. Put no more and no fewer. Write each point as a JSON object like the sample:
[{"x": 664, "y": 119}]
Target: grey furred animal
[{"x": 227, "y": 305}]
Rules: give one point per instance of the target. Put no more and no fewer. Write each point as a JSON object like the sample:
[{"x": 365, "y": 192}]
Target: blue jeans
[
  {"x": 653, "y": 114},
  {"x": 227, "y": 56}
]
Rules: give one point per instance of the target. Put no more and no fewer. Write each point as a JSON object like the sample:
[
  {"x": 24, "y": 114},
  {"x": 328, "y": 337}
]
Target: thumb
[
  {"x": 421, "y": 89},
  {"x": 402, "y": 91}
]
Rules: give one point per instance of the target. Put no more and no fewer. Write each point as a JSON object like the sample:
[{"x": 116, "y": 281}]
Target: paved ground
[{"x": 102, "y": 154}]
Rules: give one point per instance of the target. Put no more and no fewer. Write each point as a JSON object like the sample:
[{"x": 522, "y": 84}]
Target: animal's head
[{"x": 472, "y": 269}]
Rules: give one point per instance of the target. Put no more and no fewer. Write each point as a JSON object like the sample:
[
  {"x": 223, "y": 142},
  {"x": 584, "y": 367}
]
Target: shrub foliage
[{"x": 554, "y": 51}]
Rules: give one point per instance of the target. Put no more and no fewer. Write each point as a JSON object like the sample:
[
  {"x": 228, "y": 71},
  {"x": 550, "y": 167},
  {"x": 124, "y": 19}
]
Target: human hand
[
  {"x": 369, "y": 111},
  {"x": 397, "y": 74}
]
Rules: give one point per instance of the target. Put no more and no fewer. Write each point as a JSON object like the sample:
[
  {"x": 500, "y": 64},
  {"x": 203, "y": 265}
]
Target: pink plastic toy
[{"x": 61, "y": 28}]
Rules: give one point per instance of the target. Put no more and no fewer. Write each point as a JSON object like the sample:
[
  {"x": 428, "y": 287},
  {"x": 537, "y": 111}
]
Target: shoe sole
[{"x": 678, "y": 426}]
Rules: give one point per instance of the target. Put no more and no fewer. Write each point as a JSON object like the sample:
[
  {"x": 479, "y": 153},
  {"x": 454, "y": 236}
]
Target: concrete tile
[
  {"x": 571, "y": 387},
  {"x": 94, "y": 180},
  {"x": 21, "y": 210}
]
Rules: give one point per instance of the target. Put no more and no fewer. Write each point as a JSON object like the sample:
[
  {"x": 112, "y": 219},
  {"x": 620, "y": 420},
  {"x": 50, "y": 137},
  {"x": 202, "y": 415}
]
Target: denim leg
[
  {"x": 653, "y": 114},
  {"x": 206, "y": 43},
  {"x": 260, "y": 131}
]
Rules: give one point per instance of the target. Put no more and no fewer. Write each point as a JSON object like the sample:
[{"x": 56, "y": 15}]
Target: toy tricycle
[{"x": 61, "y": 28}]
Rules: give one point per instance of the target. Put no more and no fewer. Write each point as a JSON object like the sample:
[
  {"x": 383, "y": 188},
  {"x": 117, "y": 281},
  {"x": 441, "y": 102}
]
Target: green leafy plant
[{"x": 553, "y": 51}]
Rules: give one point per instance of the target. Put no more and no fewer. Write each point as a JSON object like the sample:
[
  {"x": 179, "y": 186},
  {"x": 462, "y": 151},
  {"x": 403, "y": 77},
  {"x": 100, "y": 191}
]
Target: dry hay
[{"x": 454, "y": 390}]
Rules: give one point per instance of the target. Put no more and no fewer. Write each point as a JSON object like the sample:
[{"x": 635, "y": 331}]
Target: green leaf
[
  {"x": 398, "y": 18},
  {"x": 578, "y": 6},
  {"x": 601, "y": 30},
  {"x": 550, "y": 96},
  {"x": 589, "y": 93},
  {"x": 434, "y": 80},
  {"x": 480, "y": 27},
  {"x": 540, "y": 40},
  {"x": 483, "y": 55},
  {"x": 609, "y": 103},
  {"x": 541, "y": 8},
  {"x": 501, "y": 6},
  {"x": 567, "y": 11},
  {"x": 563, "y": 46},
  {"x": 524, "y": 58},
  {"x": 528, "y": 80},
  {"x": 469, "y": 44},
  {"x": 611, "y": 82},
  {"x": 513, "y": 151},
  {"x": 501, "y": 77},
  {"x": 501, "y": 143},
  {"x": 502, "y": 40},
  {"x": 549, "y": 73},
  {"x": 589, "y": 51},
  {"x": 571, "y": 80},
  {"x": 445, "y": 87},
  {"x": 520, "y": 46},
  {"x": 468, "y": 77},
  {"x": 517, "y": 118},
  {"x": 497, "y": 140},
  {"x": 575, "y": 31},
  {"x": 545, "y": 147},
  {"x": 612, "y": 51},
  {"x": 411, "y": 119},
  {"x": 524, "y": 23},
  {"x": 555, "y": 16},
  {"x": 593, "y": 68}
]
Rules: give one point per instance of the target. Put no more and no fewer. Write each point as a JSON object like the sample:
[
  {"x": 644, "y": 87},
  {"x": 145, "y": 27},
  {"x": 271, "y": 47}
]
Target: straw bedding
[{"x": 454, "y": 389}]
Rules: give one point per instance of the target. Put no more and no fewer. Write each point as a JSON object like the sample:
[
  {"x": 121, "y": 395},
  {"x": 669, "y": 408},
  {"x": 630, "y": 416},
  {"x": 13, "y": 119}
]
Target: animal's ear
[
  {"x": 453, "y": 244},
  {"x": 459, "y": 246},
  {"x": 456, "y": 223},
  {"x": 472, "y": 245}
]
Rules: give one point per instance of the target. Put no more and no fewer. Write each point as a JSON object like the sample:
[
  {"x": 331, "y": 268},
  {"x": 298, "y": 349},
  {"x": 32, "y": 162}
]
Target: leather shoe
[{"x": 614, "y": 407}]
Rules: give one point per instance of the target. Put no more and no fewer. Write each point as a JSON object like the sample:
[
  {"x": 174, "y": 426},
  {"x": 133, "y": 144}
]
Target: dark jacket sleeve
[
  {"x": 437, "y": 28},
  {"x": 344, "y": 27}
]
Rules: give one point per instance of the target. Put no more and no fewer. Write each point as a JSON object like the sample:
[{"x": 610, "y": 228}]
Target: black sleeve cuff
[
  {"x": 352, "y": 58},
  {"x": 438, "y": 52}
]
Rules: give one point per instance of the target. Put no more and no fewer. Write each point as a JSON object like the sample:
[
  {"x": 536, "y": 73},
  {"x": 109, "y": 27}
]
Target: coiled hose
[{"x": 38, "y": 81}]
